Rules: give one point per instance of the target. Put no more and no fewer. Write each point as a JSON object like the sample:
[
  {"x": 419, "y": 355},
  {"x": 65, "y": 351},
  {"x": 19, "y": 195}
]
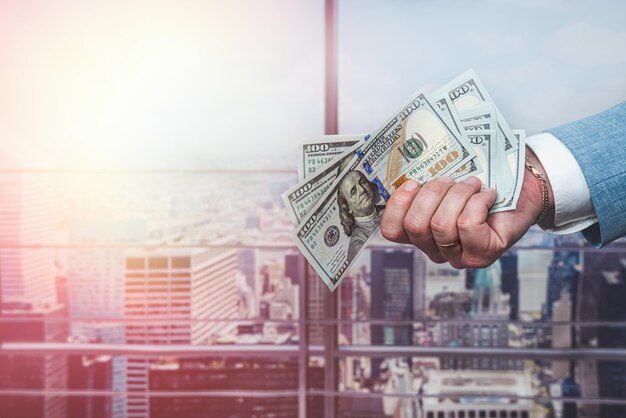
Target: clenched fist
[{"x": 450, "y": 221}]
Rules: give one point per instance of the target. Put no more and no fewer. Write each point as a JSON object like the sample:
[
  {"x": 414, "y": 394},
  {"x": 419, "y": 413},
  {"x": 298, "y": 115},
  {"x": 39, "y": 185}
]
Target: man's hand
[{"x": 450, "y": 221}]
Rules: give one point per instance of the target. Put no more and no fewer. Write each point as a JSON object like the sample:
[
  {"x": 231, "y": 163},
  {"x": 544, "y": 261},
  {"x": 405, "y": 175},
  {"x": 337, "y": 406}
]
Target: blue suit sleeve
[{"x": 599, "y": 145}]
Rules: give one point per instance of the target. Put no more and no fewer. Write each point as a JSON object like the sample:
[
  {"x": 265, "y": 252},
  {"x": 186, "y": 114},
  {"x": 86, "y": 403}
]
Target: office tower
[
  {"x": 108, "y": 333},
  {"x": 247, "y": 259},
  {"x": 588, "y": 310},
  {"x": 601, "y": 298},
  {"x": 33, "y": 323},
  {"x": 272, "y": 275},
  {"x": 392, "y": 294},
  {"x": 561, "y": 334},
  {"x": 510, "y": 282},
  {"x": 395, "y": 274},
  {"x": 249, "y": 374},
  {"x": 174, "y": 297},
  {"x": 95, "y": 276},
  {"x": 316, "y": 291},
  {"x": 27, "y": 216},
  {"x": 486, "y": 321},
  {"x": 533, "y": 278},
  {"x": 563, "y": 275},
  {"x": 294, "y": 266},
  {"x": 419, "y": 286},
  {"x": 612, "y": 308},
  {"x": 95, "y": 286},
  {"x": 570, "y": 389},
  {"x": 285, "y": 299},
  {"x": 588, "y": 306},
  {"x": 348, "y": 309},
  {"x": 354, "y": 305},
  {"x": 454, "y": 307},
  {"x": 89, "y": 373}
]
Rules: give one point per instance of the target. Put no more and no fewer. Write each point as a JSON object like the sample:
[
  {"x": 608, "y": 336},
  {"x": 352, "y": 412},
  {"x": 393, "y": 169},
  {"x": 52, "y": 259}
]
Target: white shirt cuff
[{"x": 573, "y": 207}]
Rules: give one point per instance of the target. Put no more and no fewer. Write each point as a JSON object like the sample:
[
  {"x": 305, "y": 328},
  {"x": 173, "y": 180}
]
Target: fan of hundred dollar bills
[{"x": 345, "y": 180}]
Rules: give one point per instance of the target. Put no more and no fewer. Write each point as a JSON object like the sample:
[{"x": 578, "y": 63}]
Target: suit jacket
[{"x": 599, "y": 145}]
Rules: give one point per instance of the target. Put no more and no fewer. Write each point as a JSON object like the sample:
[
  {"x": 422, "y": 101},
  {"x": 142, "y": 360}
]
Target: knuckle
[
  {"x": 390, "y": 231},
  {"x": 400, "y": 200},
  {"x": 434, "y": 187},
  {"x": 465, "y": 222},
  {"x": 462, "y": 189},
  {"x": 396, "y": 198},
  {"x": 415, "y": 225},
  {"x": 440, "y": 224}
]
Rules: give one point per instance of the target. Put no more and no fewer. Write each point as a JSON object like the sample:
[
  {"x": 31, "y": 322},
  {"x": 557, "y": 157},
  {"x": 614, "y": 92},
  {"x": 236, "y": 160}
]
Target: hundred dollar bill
[
  {"x": 345, "y": 219},
  {"x": 474, "y": 166},
  {"x": 317, "y": 153},
  {"x": 300, "y": 198},
  {"x": 482, "y": 141},
  {"x": 415, "y": 143},
  {"x": 418, "y": 143},
  {"x": 482, "y": 116},
  {"x": 467, "y": 90},
  {"x": 516, "y": 164}
]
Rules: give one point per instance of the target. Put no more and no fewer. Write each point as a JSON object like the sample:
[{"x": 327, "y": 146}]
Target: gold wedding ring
[{"x": 452, "y": 244}]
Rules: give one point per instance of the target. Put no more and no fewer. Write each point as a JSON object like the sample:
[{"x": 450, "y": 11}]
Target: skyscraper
[
  {"x": 173, "y": 295},
  {"x": 316, "y": 291},
  {"x": 533, "y": 278},
  {"x": 612, "y": 383},
  {"x": 27, "y": 216},
  {"x": 111, "y": 333},
  {"x": 260, "y": 374},
  {"x": 490, "y": 310},
  {"x": 396, "y": 273},
  {"x": 601, "y": 297},
  {"x": 33, "y": 323},
  {"x": 248, "y": 266},
  {"x": 95, "y": 276},
  {"x": 90, "y": 373},
  {"x": 392, "y": 294},
  {"x": 294, "y": 261},
  {"x": 95, "y": 287},
  {"x": 563, "y": 274},
  {"x": 510, "y": 282}
]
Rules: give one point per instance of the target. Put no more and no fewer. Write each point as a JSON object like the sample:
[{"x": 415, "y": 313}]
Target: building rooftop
[{"x": 476, "y": 386}]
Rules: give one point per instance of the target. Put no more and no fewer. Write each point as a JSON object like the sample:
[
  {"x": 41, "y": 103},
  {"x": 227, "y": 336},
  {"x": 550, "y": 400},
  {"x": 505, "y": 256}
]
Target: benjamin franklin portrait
[{"x": 360, "y": 209}]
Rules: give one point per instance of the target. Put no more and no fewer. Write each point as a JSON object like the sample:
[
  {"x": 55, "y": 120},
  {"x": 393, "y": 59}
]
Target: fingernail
[
  {"x": 490, "y": 190},
  {"x": 471, "y": 180},
  {"x": 446, "y": 179},
  {"x": 410, "y": 185}
]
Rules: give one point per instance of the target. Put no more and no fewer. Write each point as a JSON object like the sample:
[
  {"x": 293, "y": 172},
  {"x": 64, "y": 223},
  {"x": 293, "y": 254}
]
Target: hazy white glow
[{"x": 158, "y": 84}]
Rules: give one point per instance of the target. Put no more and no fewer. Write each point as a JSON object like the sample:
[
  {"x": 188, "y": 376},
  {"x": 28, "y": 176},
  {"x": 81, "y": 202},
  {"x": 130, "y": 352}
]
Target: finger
[
  {"x": 392, "y": 223},
  {"x": 444, "y": 222},
  {"x": 474, "y": 232},
  {"x": 419, "y": 215}
]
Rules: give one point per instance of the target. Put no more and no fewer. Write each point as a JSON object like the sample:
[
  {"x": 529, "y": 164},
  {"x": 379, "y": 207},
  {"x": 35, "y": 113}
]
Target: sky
[{"x": 213, "y": 84}]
